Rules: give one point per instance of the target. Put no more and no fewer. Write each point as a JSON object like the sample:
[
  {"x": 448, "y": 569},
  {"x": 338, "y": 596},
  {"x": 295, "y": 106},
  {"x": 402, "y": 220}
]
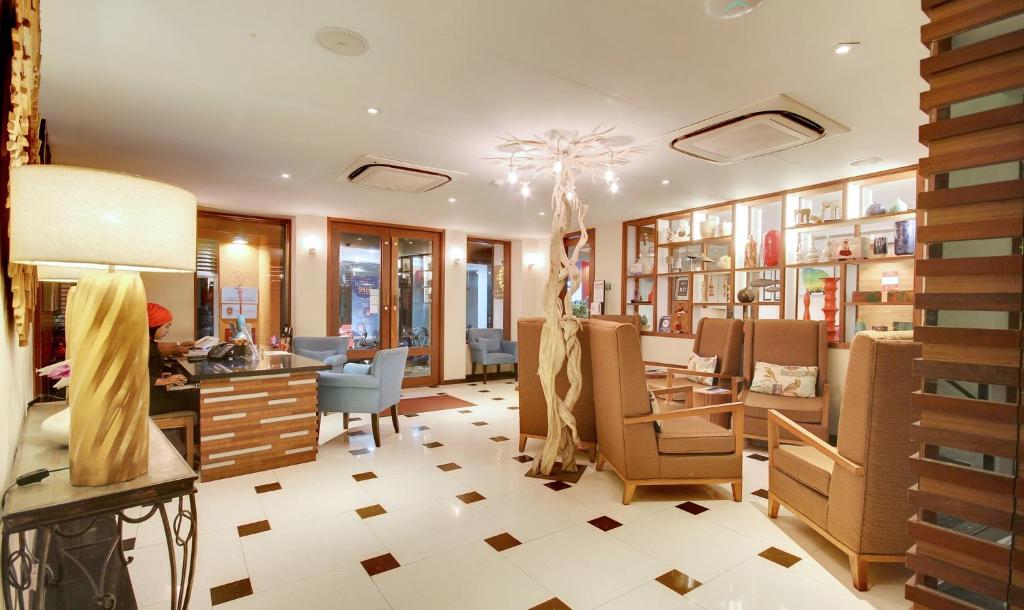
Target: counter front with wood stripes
[{"x": 255, "y": 416}]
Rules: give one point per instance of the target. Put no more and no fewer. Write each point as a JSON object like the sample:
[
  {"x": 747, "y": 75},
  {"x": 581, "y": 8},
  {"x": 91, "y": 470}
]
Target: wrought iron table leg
[{"x": 181, "y": 532}]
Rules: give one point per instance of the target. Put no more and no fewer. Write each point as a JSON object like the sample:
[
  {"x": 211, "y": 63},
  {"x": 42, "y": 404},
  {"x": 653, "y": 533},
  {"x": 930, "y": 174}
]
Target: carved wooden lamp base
[{"x": 109, "y": 391}]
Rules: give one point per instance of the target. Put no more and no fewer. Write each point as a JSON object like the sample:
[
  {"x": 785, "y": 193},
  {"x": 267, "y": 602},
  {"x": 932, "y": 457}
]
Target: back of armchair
[
  {"x": 722, "y": 338},
  {"x": 786, "y": 342},
  {"x": 389, "y": 367}
]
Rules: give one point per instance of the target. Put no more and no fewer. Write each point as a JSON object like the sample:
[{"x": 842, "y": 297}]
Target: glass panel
[
  {"x": 359, "y": 289},
  {"x": 583, "y": 296},
  {"x": 417, "y": 365},
  {"x": 415, "y": 286},
  {"x": 485, "y": 285},
  {"x": 51, "y": 346}
]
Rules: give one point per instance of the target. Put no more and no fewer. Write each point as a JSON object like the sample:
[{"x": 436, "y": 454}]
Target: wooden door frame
[
  {"x": 438, "y": 271},
  {"x": 592, "y": 242},
  {"x": 507, "y": 313}
]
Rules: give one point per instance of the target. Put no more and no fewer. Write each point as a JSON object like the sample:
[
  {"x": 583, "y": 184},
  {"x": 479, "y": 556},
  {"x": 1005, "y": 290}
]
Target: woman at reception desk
[{"x": 255, "y": 413}]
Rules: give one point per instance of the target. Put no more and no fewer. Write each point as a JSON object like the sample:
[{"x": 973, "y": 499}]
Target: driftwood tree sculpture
[{"x": 562, "y": 155}]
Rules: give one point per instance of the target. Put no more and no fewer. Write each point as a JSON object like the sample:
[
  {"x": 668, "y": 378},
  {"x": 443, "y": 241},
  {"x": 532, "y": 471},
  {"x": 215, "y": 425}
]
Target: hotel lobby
[{"x": 467, "y": 304}]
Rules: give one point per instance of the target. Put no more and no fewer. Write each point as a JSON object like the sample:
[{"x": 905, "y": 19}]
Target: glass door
[{"x": 382, "y": 287}]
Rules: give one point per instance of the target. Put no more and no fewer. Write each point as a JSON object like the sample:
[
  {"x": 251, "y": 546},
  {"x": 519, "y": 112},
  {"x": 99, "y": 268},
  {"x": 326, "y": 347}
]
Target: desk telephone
[{"x": 221, "y": 352}]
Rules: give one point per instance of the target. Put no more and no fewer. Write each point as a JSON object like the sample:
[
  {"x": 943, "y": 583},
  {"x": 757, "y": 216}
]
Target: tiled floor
[{"x": 441, "y": 516}]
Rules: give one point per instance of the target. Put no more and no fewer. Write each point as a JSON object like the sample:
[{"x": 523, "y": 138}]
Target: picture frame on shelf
[
  {"x": 683, "y": 288},
  {"x": 664, "y": 324},
  {"x": 906, "y": 237},
  {"x": 880, "y": 246}
]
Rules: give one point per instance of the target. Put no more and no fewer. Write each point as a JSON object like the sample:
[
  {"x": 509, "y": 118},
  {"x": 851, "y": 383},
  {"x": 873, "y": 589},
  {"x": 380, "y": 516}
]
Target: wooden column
[{"x": 969, "y": 528}]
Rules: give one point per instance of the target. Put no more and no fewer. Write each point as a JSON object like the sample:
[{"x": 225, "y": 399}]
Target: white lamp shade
[
  {"x": 78, "y": 217},
  {"x": 46, "y": 273}
]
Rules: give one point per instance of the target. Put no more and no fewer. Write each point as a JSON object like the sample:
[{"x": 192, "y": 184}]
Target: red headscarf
[{"x": 158, "y": 315}]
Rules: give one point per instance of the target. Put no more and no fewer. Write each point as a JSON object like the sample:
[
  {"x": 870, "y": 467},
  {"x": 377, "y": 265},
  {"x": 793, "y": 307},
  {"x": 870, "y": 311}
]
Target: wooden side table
[
  {"x": 61, "y": 544},
  {"x": 706, "y": 396}
]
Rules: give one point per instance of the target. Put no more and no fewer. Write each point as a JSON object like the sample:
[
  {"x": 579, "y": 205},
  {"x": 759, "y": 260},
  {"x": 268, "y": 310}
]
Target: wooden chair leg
[
  {"x": 190, "y": 445},
  {"x": 485, "y": 373},
  {"x": 737, "y": 491},
  {"x": 344, "y": 420},
  {"x": 515, "y": 370},
  {"x": 592, "y": 453},
  {"x": 394, "y": 416},
  {"x": 375, "y": 424},
  {"x": 600, "y": 462},
  {"x": 859, "y": 571},
  {"x": 627, "y": 492},
  {"x": 522, "y": 442},
  {"x": 773, "y": 507}
]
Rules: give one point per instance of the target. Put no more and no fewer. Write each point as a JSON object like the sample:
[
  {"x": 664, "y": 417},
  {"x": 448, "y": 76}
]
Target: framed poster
[
  {"x": 250, "y": 311},
  {"x": 683, "y": 288},
  {"x": 230, "y": 311},
  {"x": 906, "y": 237},
  {"x": 664, "y": 324},
  {"x": 250, "y": 295}
]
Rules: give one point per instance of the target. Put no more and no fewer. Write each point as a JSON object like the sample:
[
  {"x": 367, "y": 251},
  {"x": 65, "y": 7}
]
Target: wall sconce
[
  {"x": 311, "y": 243},
  {"x": 532, "y": 259},
  {"x": 456, "y": 253}
]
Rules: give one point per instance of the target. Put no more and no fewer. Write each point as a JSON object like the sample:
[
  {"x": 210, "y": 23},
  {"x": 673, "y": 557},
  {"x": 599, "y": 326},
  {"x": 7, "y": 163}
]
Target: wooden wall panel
[{"x": 969, "y": 529}]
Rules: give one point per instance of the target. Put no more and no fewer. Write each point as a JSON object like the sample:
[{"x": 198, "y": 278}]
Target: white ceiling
[{"x": 222, "y": 96}]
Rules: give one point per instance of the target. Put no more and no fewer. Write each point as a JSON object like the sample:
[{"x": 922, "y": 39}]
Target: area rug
[{"x": 424, "y": 404}]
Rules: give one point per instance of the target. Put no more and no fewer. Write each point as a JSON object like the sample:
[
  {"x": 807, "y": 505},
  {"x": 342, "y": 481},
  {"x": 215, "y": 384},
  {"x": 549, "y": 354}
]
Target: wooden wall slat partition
[{"x": 969, "y": 294}]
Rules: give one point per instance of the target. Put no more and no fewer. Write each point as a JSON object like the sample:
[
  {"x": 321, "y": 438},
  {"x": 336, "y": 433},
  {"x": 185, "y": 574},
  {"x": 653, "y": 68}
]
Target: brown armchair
[
  {"x": 715, "y": 337},
  {"x": 688, "y": 450},
  {"x": 632, "y": 319},
  {"x": 855, "y": 494},
  {"x": 533, "y": 409},
  {"x": 791, "y": 343}
]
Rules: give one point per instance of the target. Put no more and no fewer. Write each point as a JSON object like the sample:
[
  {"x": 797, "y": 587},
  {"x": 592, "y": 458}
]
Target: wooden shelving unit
[{"x": 706, "y": 248}]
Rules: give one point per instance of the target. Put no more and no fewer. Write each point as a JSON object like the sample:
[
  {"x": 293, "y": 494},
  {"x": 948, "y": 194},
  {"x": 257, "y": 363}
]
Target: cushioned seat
[
  {"x": 500, "y": 358},
  {"x": 802, "y": 410},
  {"x": 807, "y": 465},
  {"x": 799, "y": 497},
  {"x": 694, "y": 435}
]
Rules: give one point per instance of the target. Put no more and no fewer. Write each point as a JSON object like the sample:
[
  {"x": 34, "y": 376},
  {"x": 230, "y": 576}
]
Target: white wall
[
  {"x": 176, "y": 292},
  {"x": 15, "y": 388},
  {"x": 455, "y": 351},
  {"x": 309, "y": 276}
]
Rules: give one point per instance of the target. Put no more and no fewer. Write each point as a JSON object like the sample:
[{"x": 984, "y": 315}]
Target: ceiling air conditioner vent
[
  {"x": 763, "y": 128},
  {"x": 392, "y": 175}
]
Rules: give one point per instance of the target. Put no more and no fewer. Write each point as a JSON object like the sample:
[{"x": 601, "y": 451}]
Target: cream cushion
[
  {"x": 704, "y": 365},
  {"x": 694, "y": 435},
  {"x": 783, "y": 380},
  {"x": 807, "y": 465}
]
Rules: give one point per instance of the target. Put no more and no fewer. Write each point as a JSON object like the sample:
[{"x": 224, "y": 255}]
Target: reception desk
[{"x": 255, "y": 416}]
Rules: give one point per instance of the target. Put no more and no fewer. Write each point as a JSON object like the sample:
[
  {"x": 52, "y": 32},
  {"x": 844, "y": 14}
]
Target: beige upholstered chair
[
  {"x": 633, "y": 320},
  {"x": 715, "y": 337},
  {"x": 855, "y": 494},
  {"x": 688, "y": 450},
  {"x": 791, "y": 343},
  {"x": 533, "y": 410}
]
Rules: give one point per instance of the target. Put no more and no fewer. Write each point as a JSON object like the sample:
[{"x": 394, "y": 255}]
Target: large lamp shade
[{"x": 92, "y": 218}]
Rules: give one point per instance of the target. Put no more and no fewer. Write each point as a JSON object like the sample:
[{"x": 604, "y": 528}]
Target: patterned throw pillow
[
  {"x": 704, "y": 365},
  {"x": 655, "y": 409},
  {"x": 780, "y": 380}
]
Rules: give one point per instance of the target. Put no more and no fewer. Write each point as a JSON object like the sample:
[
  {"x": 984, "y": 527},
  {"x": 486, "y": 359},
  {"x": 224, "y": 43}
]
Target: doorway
[
  {"x": 584, "y": 295},
  {"x": 385, "y": 284}
]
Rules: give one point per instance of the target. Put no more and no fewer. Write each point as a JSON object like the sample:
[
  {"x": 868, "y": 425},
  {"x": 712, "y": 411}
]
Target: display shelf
[
  {"x": 755, "y": 269},
  {"x": 882, "y": 259},
  {"x": 851, "y": 222},
  {"x": 880, "y": 304}
]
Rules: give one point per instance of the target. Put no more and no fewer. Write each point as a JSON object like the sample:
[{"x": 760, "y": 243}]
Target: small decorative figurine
[
  {"x": 750, "y": 253},
  {"x": 845, "y": 251}
]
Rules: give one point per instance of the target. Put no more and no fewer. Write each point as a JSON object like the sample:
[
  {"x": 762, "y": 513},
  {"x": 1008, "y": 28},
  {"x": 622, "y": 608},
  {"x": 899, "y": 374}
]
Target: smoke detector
[
  {"x": 762, "y": 128},
  {"x": 342, "y": 41},
  {"x": 392, "y": 175}
]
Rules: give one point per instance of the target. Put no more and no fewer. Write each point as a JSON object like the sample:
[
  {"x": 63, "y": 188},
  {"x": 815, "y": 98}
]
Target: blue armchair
[
  {"x": 365, "y": 388},
  {"x": 488, "y": 346},
  {"x": 329, "y": 350}
]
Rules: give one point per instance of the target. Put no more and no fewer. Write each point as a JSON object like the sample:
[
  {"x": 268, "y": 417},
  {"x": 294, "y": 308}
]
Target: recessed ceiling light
[
  {"x": 861, "y": 162},
  {"x": 844, "y": 48},
  {"x": 286, "y": 175},
  {"x": 372, "y": 110},
  {"x": 666, "y": 181},
  {"x": 342, "y": 41},
  {"x": 540, "y": 213},
  {"x": 451, "y": 200}
]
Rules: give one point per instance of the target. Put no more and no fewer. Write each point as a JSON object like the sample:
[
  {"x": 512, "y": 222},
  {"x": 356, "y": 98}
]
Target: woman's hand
[{"x": 168, "y": 379}]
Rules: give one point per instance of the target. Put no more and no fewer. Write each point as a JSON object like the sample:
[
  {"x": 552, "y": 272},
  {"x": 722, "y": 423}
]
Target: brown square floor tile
[
  {"x": 420, "y": 428},
  {"x": 513, "y": 408},
  {"x": 470, "y": 497},
  {"x": 479, "y": 423},
  {"x": 552, "y": 604},
  {"x": 127, "y": 544},
  {"x": 779, "y": 556},
  {"x": 356, "y": 432},
  {"x": 433, "y": 445},
  {"x": 411, "y": 415},
  {"x": 758, "y": 457},
  {"x": 472, "y": 384},
  {"x": 222, "y": 594},
  {"x": 692, "y": 507},
  {"x": 352, "y": 419},
  {"x": 557, "y": 485},
  {"x": 499, "y": 439},
  {"x": 362, "y": 451},
  {"x": 464, "y": 411},
  {"x": 257, "y": 527},
  {"x": 370, "y": 511},
  {"x": 380, "y": 564},
  {"x": 450, "y": 466},
  {"x": 523, "y": 458},
  {"x": 604, "y": 523},
  {"x": 364, "y": 476},
  {"x": 498, "y": 398},
  {"x": 678, "y": 582},
  {"x": 760, "y": 493},
  {"x": 502, "y": 542},
  {"x": 484, "y": 391},
  {"x": 262, "y": 489}
]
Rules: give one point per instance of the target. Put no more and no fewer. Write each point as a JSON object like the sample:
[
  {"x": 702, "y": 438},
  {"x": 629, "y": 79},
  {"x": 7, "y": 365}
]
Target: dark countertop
[{"x": 235, "y": 367}]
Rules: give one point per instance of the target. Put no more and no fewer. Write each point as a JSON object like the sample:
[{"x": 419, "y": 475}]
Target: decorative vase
[
  {"x": 770, "y": 245},
  {"x": 750, "y": 253},
  {"x": 859, "y": 326},
  {"x": 709, "y": 227},
  {"x": 828, "y": 251},
  {"x": 899, "y": 206},
  {"x": 829, "y": 309},
  {"x": 637, "y": 268},
  {"x": 724, "y": 229},
  {"x": 807, "y": 305},
  {"x": 746, "y": 295},
  {"x": 805, "y": 252}
]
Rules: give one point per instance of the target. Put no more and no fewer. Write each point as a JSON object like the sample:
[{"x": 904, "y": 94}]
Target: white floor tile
[
  {"x": 344, "y": 587},
  {"x": 329, "y": 497},
  {"x": 533, "y": 512},
  {"x": 399, "y": 491},
  {"x": 427, "y": 529},
  {"x": 830, "y": 566},
  {"x": 651, "y": 596}
]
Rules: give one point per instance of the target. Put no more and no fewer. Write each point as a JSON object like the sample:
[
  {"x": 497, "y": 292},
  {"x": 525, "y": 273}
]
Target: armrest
[
  {"x": 736, "y": 408},
  {"x": 777, "y": 420},
  {"x": 510, "y": 347},
  {"x": 685, "y": 371},
  {"x": 476, "y": 347},
  {"x": 354, "y": 368},
  {"x": 336, "y": 360},
  {"x": 344, "y": 380}
]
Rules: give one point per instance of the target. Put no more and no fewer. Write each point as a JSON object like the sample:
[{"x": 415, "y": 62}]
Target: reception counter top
[
  {"x": 255, "y": 416},
  {"x": 240, "y": 367}
]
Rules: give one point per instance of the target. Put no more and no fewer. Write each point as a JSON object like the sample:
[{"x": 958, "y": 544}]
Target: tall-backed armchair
[
  {"x": 533, "y": 410},
  {"x": 487, "y": 346},
  {"x": 365, "y": 388},
  {"x": 787, "y": 343},
  {"x": 855, "y": 494},
  {"x": 631, "y": 319},
  {"x": 715, "y": 337},
  {"x": 329, "y": 350},
  {"x": 685, "y": 449}
]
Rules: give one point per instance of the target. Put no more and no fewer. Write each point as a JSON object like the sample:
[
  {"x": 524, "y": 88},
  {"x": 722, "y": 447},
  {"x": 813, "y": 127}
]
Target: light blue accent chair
[
  {"x": 487, "y": 346},
  {"x": 329, "y": 350},
  {"x": 365, "y": 388}
]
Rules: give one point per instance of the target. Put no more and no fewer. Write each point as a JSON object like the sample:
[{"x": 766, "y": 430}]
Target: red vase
[
  {"x": 829, "y": 309},
  {"x": 770, "y": 246}
]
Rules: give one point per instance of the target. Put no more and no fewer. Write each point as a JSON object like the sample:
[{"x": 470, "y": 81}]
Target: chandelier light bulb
[
  {"x": 557, "y": 167},
  {"x": 614, "y": 187},
  {"x": 609, "y": 176},
  {"x": 512, "y": 177},
  {"x": 525, "y": 190}
]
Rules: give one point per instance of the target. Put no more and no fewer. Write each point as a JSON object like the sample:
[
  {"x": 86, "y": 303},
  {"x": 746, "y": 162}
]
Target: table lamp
[{"x": 116, "y": 225}]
